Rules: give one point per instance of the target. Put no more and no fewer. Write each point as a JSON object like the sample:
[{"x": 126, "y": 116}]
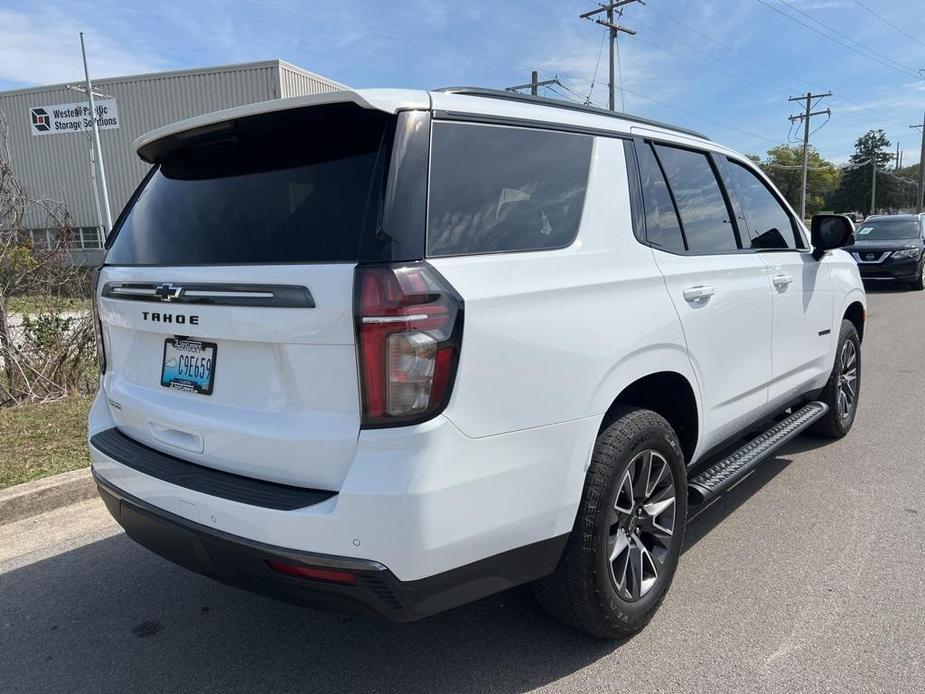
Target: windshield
[
  {"x": 290, "y": 187},
  {"x": 888, "y": 230}
]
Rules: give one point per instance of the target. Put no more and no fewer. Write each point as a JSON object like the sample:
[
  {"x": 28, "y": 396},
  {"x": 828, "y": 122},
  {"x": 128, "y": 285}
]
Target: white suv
[{"x": 392, "y": 351}]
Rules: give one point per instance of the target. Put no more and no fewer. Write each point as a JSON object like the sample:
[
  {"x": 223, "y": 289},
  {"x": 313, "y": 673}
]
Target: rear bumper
[
  {"x": 421, "y": 500},
  {"x": 375, "y": 590},
  {"x": 437, "y": 517}
]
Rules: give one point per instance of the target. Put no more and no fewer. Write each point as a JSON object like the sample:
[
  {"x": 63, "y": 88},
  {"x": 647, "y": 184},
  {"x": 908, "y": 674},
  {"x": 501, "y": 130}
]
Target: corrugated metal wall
[
  {"x": 58, "y": 166},
  {"x": 294, "y": 81}
]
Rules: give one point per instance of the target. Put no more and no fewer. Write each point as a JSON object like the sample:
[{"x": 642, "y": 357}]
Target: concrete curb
[{"x": 32, "y": 498}]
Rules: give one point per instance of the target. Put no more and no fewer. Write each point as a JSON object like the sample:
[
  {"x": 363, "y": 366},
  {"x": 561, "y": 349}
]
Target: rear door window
[
  {"x": 295, "y": 186},
  {"x": 662, "y": 226},
  {"x": 705, "y": 218},
  {"x": 499, "y": 188}
]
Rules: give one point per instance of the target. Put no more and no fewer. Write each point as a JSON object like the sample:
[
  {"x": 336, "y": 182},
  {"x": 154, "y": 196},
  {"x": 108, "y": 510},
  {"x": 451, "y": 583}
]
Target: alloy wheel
[
  {"x": 641, "y": 523},
  {"x": 847, "y": 379}
]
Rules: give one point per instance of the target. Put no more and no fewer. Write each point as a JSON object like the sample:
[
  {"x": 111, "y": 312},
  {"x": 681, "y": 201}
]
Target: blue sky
[{"x": 725, "y": 67}]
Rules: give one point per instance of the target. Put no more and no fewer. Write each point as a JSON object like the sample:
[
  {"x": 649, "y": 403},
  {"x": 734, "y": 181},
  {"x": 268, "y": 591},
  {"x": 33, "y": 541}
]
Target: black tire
[
  {"x": 584, "y": 591},
  {"x": 836, "y": 422},
  {"x": 919, "y": 284}
]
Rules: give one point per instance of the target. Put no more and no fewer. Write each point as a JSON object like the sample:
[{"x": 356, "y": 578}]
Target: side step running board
[{"x": 723, "y": 474}]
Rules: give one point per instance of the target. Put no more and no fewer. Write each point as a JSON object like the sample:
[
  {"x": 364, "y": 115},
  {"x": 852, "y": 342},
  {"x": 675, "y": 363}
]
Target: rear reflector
[
  {"x": 97, "y": 325},
  {"x": 312, "y": 573},
  {"x": 409, "y": 329}
]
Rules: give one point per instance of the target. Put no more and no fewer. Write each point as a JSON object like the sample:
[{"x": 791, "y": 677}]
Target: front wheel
[
  {"x": 843, "y": 388},
  {"x": 918, "y": 284},
  {"x": 624, "y": 548}
]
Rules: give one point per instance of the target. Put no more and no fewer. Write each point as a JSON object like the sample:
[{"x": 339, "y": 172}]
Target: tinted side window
[
  {"x": 662, "y": 226},
  {"x": 768, "y": 224},
  {"x": 497, "y": 188},
  {"x": 704, "y": 215}
]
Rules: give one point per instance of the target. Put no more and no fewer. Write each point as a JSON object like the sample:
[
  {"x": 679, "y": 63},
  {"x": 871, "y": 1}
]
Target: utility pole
[
  {"x": 614, "y": 30},
  {"x": 805, "y": 119},
  {"x": 873, "y": 185},
  {"x": 534, "y": 84},
  {"x": 921, "y": 197},
  {"x": 96, "y": 142}
]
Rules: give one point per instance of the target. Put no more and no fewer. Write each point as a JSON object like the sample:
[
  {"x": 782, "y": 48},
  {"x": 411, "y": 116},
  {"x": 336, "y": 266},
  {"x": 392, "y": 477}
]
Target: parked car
[
  {"x": 393, "y": 351},
  {"x": 892, "y": 247}
]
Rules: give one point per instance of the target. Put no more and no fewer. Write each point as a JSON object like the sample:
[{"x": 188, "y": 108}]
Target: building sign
[{"x": 73, "y": 118}]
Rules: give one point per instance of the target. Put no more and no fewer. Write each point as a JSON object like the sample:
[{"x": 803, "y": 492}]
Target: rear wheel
[
  {"x": 844, "y": 386},
  {"x": 621, "y": 557}
]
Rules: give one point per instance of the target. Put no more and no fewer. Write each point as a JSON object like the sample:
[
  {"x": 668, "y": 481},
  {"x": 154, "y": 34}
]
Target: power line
[
  {"x": 740, "y": 78},
  {"x": 798, "y": 167},
  {"x": 899, "y": 65},
  {"x": 534, "y": 84},
  {"x": 871, "y": 55},
  {"x": 724, "y": 45},
  {"x": 597, "y": 65},
  {"x": 888, "y": 22},
  {"x": 715, "y": 58},
  {"x": 767, "y": 66},
  {"x": 501, "y": 61},
  {"x": 646, "y": 97}
]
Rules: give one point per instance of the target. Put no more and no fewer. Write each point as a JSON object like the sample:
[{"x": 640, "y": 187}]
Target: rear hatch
[{"x": 226, "y": 300}]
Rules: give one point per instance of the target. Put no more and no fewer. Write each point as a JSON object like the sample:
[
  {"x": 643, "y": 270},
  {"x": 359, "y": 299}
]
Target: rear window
[
  {"x": 289, "y": 187},
  {"x": 499, "y": 188}
]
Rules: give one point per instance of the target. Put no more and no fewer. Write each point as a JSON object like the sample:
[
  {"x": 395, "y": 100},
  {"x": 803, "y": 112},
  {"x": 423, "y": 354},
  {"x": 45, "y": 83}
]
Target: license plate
[{"x": 189, "y": 365}]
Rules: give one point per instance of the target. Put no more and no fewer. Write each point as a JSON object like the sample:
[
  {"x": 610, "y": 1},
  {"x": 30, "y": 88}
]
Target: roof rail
[{"x": 560, "y": 103}]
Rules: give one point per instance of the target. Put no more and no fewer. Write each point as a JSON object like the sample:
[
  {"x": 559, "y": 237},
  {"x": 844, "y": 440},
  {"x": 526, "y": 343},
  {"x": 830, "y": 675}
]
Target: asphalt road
[{"x": 809, "y": 576}]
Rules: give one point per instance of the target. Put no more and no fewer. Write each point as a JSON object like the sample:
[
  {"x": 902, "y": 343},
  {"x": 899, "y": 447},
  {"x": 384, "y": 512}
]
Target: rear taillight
[
  {"x": 97, "y": 325},
  {"x": 409, "y": 330},
  {"x": 312, "y": 573}
]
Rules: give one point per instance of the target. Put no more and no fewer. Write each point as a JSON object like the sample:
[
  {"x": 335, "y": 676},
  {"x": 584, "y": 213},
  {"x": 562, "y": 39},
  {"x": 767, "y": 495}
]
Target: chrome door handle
[
  {"x": 698, "y": 293},
  {"x": 782, "y": 281}
]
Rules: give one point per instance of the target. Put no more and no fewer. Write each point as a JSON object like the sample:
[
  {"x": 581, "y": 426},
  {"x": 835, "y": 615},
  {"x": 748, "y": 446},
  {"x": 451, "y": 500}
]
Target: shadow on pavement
[{"x": 112, "y": 616}]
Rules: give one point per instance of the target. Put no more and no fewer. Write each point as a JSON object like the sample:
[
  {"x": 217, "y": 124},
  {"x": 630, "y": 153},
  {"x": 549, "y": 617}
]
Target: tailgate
[{"x": 284, "y": 403}]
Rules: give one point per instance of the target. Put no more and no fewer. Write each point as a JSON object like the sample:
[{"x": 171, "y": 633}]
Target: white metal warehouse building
[{"x": 51, "y": 150}]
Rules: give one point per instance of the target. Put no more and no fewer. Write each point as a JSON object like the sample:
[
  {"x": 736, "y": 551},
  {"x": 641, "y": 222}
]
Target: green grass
[
  {"x": 37, "y": 303},
  {"x": 42, "y": 439}
]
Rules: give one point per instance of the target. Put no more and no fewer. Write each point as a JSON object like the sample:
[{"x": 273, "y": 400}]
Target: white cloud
[{"x": 44, "y": 48}]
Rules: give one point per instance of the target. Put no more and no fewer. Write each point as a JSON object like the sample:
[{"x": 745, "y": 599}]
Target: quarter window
[
  {"x": 768, "y": 223},
  {"x": 705, "y": 218},
  {"x": 499, "y": 188}
]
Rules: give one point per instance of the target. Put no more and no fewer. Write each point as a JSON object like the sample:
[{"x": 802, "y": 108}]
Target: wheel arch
[
  {"x": 670, "y": 394},
  {"x": 857, "y": 314}
]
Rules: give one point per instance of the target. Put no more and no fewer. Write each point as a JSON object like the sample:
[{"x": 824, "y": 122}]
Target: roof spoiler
[{"x": 153, "y": 145}]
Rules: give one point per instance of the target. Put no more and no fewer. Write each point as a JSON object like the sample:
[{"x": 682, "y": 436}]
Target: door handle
[
  {"x": 698, "y": 293},
  {"x": 782, "y": 281}
]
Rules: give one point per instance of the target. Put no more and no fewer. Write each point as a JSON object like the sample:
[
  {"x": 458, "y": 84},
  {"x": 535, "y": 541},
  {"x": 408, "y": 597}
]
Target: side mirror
[{"x": 829, "y": 231}]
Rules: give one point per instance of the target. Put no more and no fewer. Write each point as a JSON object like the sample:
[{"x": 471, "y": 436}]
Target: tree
[
  {"x": 854, "y": 192},
  {"x": 42, "y": 355},
  {"x": 784, "y": 166}
]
